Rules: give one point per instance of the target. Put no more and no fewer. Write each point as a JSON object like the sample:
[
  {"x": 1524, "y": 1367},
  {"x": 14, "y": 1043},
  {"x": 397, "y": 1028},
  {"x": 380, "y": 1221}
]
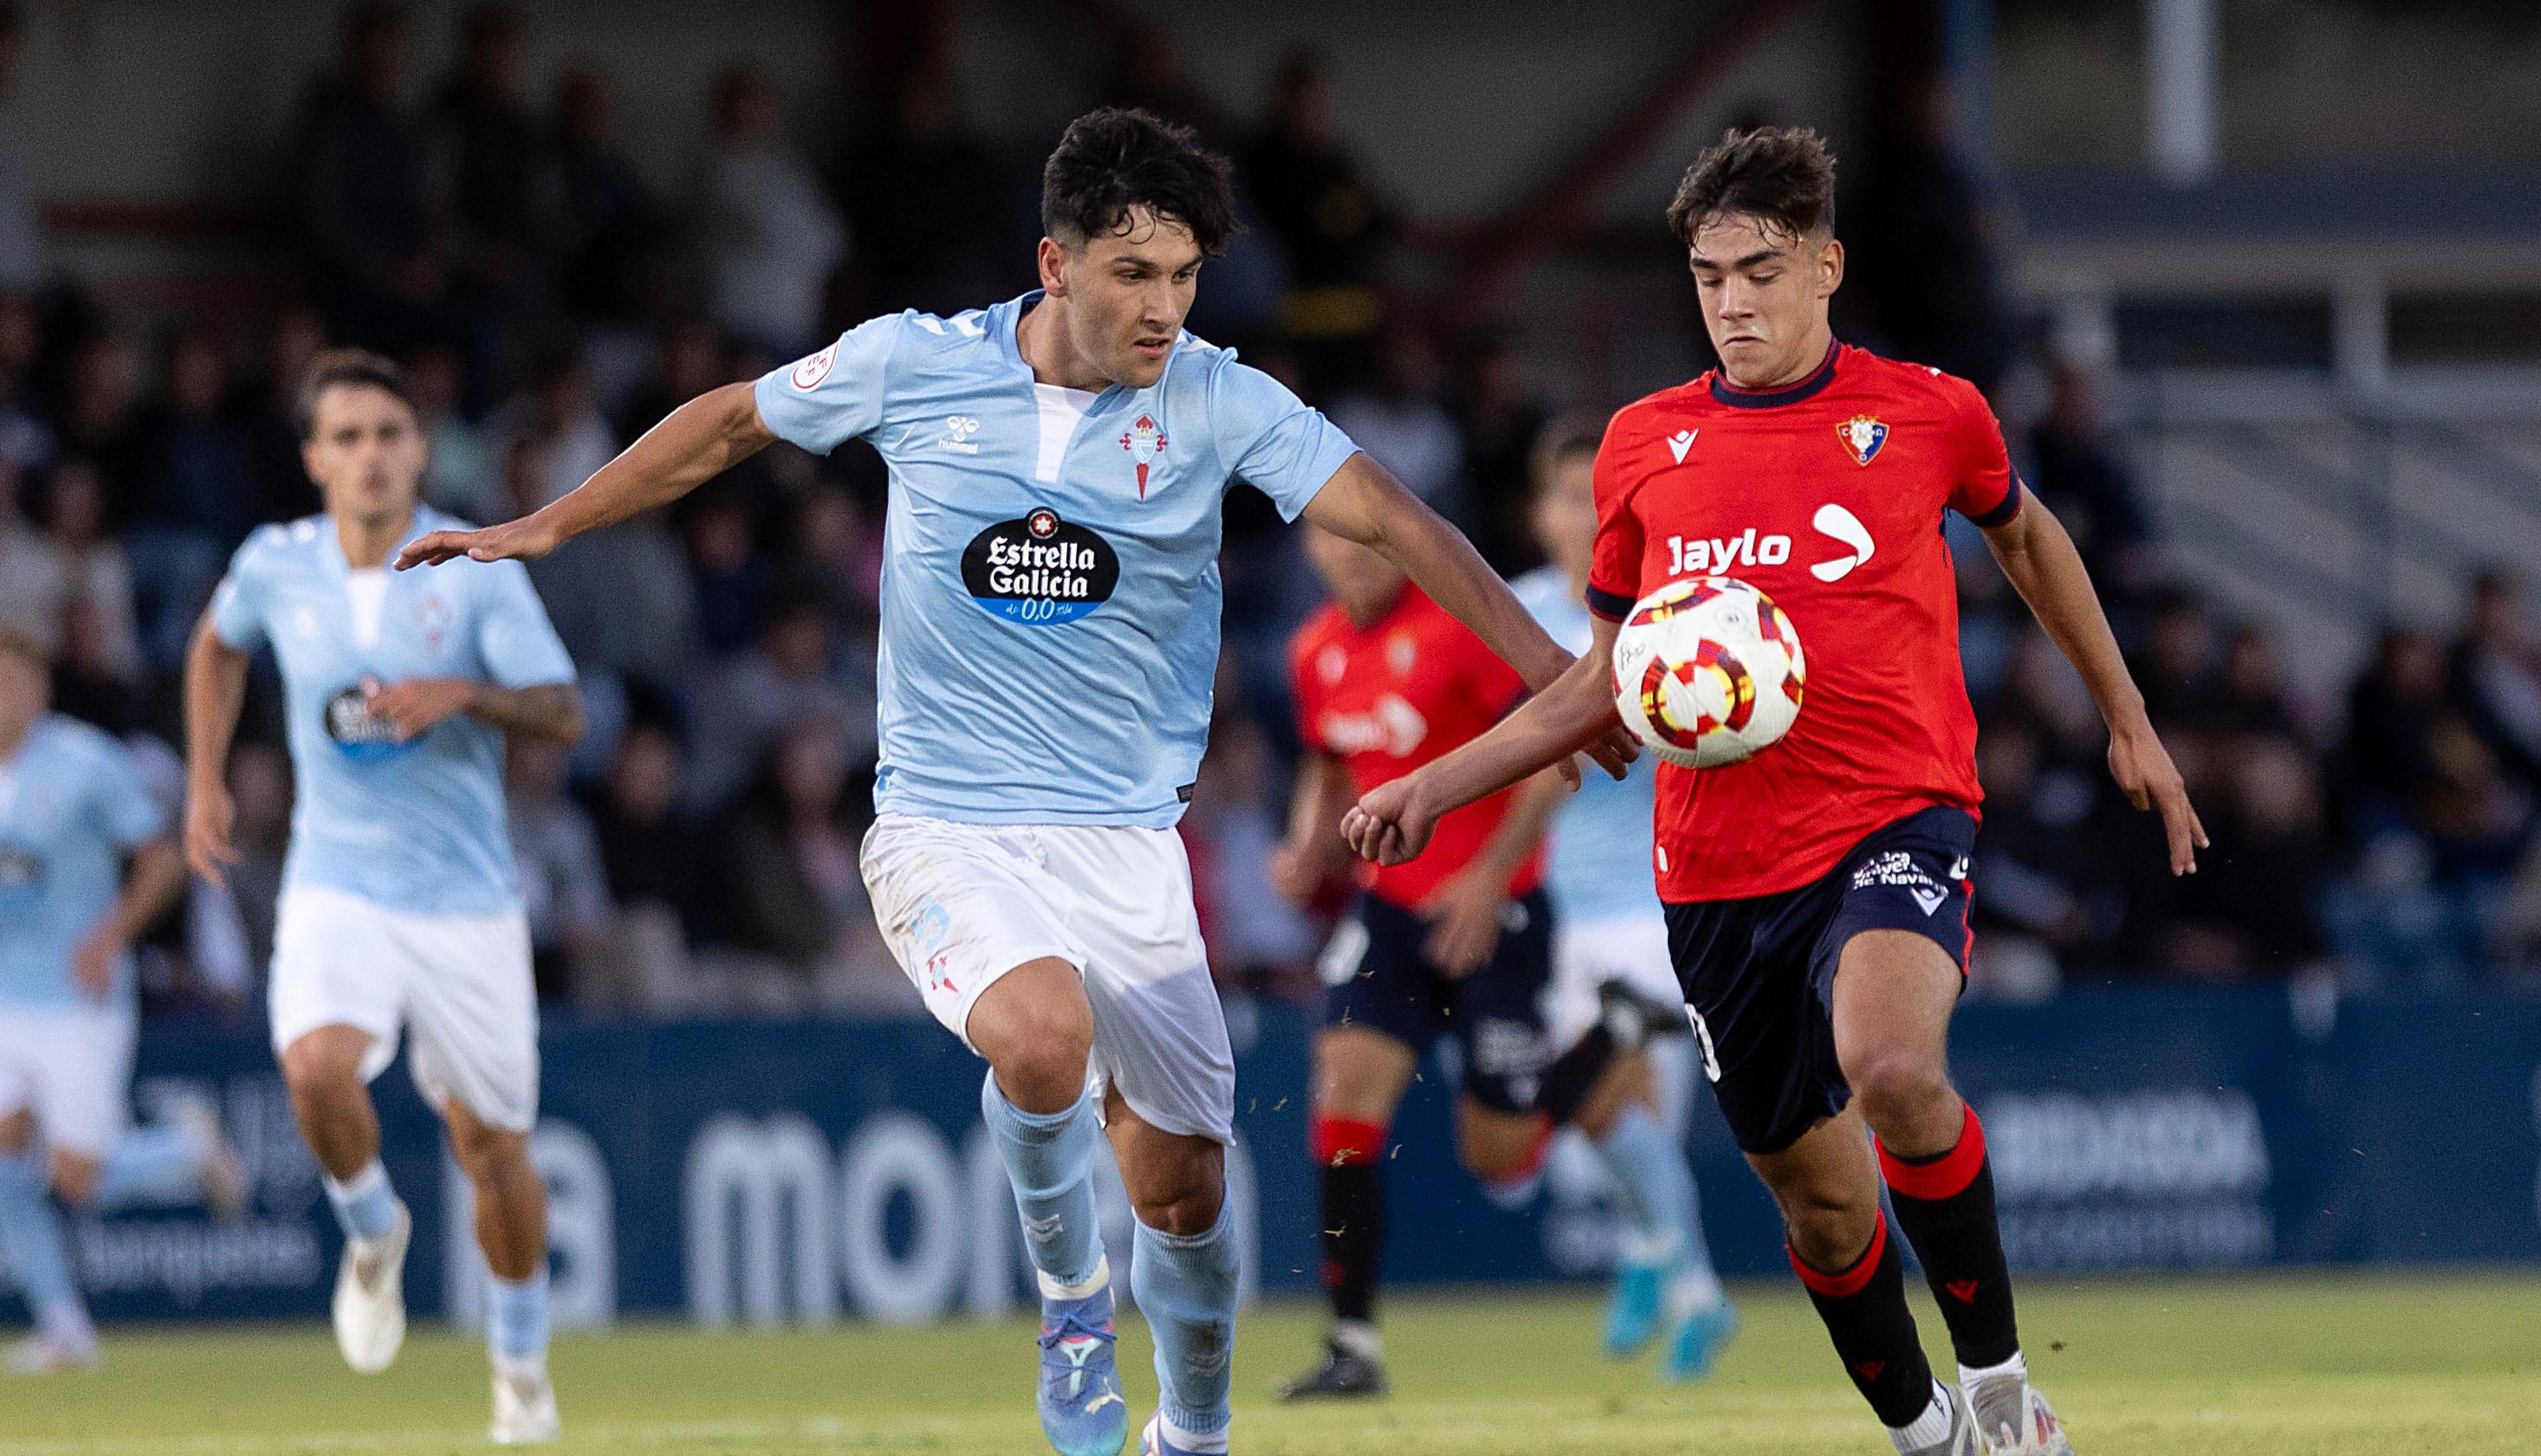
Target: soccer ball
[{"x": 1707, "y": 671}]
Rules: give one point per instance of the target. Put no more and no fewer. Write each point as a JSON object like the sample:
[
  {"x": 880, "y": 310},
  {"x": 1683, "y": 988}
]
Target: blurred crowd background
[{"x": 483, "y": 217}]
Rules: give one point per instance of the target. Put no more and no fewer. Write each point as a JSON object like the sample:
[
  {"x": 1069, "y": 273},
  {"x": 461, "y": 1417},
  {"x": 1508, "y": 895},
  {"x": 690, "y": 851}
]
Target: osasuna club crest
[
  {"x": 1862, "y": 436},
  {"x": 1145, "y": 442}
]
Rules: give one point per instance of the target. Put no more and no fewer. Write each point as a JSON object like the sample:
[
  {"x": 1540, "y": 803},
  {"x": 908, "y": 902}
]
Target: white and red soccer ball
[{"x": 1707, "y": 671}]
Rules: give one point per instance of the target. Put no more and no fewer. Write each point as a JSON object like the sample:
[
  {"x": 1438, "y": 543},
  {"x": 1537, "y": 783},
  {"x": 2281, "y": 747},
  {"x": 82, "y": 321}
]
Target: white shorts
[
  {"x": 1586, "y": 954},
  {"x": 463, "y": 982},
  {"x": 961, "y": 905},
  {"x": 72, "y": 1066}
]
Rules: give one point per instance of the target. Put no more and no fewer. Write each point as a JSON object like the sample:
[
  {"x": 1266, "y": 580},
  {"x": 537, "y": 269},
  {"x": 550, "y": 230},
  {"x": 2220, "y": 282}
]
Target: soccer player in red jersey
[
  {"x": 1817, "y": 894},
  {"x": 1458, "y": 942}
]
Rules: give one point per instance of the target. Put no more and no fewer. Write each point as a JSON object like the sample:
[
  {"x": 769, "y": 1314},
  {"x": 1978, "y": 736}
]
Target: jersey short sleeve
[
  {"x": 1272, "y": 440},
  {"x": 1986, "y": 490},
  {"x": 823, "y": 399},
  {"x": 238, "y": 602},
  {"x": 130, "y": 816},
  {"x": 517, "y": 643},
  {"x": 1615, "y": 559}
]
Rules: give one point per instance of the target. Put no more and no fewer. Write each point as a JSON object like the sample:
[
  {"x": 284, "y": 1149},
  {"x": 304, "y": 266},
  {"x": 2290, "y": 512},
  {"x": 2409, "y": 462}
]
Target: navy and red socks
[
  {"x": 1946, "y": 1207},
  {"x": 1865, "y": 1309},
  {"x": 1353, "y": 1209}
]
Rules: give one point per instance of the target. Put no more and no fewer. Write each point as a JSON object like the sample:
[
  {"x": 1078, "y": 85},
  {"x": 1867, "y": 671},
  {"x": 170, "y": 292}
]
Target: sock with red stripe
[
  {"x": 1945, "y": 1208},
  {"x": 1864, "y": 1310},
  {"x": 1348, "y": 1154}
]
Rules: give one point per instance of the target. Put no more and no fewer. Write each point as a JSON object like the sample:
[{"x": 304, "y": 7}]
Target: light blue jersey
[
  {"x": 72, "y": 810},
  {"x": 1049, "y": 587},
  {"x": 1599, "y": 864},
  {"x": 415, "y": 826}
]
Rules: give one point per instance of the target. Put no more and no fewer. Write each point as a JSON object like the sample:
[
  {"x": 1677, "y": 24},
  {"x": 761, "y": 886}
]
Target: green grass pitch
[{"x": 2306, "y": 1365}]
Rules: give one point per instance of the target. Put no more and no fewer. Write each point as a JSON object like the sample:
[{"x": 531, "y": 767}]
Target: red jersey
[
  {"x": 1388, "y": 698},
  {"x": 1827, "y": 496}
]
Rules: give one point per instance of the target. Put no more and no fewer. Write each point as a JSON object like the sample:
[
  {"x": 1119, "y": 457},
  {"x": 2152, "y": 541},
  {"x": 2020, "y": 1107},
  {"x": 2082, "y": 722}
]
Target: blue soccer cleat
[
  {"x": 1633, "y": 1311},
  {"x": 1700, "y": 1335},
  {"x": 1079, "y": 1394}
]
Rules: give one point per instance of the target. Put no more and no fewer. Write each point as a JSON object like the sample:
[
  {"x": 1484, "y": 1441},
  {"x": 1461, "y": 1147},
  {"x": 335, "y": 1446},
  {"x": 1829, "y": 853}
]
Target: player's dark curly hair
[
  {"x": 346, "y": 367},
  {"x": 1783, "y": 175},
  {"x": 1117, "y": 159}
]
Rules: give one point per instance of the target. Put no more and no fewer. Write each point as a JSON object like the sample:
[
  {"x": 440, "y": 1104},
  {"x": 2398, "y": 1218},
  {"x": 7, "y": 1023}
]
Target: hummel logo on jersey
[
  {"x": 1846, "y": 526},
  {"x": 1680, "y": 442},
  {"x": 958, "y": 430}
]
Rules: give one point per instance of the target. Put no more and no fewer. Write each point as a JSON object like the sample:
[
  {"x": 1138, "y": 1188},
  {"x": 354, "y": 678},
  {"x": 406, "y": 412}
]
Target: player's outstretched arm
[
  {"x": 1392, "y": 821},
  {"x": 1364, "y": 503},
  {"x": 215, "y": 690},
  {"x": 1311, "y": 851},
  {"x": 2037, "y": 554},
  {"x": 151, "y": 885},
  {"x": 695, "y": 443}
]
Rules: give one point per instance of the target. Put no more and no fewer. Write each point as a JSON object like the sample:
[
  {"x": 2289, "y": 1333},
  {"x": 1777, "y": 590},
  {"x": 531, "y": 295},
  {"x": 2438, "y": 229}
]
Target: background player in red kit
[
  {"x": 1817, "y": 894},
  {"x": 1458, "y": 942}
]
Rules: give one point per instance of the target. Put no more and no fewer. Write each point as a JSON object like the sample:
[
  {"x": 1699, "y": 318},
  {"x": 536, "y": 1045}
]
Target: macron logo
[
  {"x": 1846, "y": 526},
  {"x": 1680, "y": 442}
]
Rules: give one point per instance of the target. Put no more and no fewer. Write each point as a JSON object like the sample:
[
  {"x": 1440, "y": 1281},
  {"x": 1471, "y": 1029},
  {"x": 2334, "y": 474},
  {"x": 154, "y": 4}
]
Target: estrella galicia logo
[
  {"x": 22, "y": 874},
  {"x": 1040, "y": 569},
  {"x": 350, "y": 723}
]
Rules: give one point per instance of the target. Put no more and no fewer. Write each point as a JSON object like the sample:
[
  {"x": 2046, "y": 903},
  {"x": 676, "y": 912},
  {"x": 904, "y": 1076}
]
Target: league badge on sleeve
[
  {"x": 1145, "y": 442},
  {"x": 1861, "y": 436}
]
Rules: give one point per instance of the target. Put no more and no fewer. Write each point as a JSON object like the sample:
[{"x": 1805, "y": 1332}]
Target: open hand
[
  {"x": 515, "y": 540},
  {"x": 2151, "y": 781},
  {"x": 208, "y": 815},
  {"x": 414, "y": 708},
  {"x": 92, "y": 961}
]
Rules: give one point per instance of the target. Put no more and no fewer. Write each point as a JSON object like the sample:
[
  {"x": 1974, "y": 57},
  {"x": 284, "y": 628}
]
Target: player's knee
[
  {"x": 1828, "y": 1224},
  {"x": 320, "y": 1068},
  {"x": 1899, "y": 1086},
  {"x": 75, "y": 1178},
  {"x": 490, "y": 1156}
]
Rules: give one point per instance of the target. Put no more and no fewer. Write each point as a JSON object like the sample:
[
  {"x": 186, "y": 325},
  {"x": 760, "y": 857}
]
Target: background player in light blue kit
[
  {"x": 1610, "y": 961},
  {"x": 1050, "y": 628},
  {"x": 399, "y": 903},
  {"x": 86, "y": 865}
]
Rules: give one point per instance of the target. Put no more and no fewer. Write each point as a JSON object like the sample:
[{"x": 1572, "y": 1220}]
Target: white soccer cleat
[
  {"x": 525, "y": 1410},
  {"x": 40, "y": 1354},
  {"x": 370, "y": 1297},
  {"x": 2015, "y": 1420},
  {"x": 227, "y": 1188}
]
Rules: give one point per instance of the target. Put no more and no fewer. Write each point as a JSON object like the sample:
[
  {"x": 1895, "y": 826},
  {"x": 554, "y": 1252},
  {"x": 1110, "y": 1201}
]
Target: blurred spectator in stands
[
  {"x": 619, "y": 598},
  {"x": 2046, "y": 901},
  {"x": 24, "y": 266},
  {"x": 798, "y": 672},
  {"x": 791, "y": 887},
  {"x": 2076, "y": 469},
  {"x": 26, "y": 436},
  {"x": 2175, "y": 667},
  {"x": 1501, "y": 419},
  {"x": 488, "y": 156},
  {"x": 101, "y": 419},
  {"x": 32, "y": 590},
  {"x": 1400, "y": 420},
  {"x": 604, "y": 219},
  {"x": 648, "y": 851},
  {"x": 266, "y": 410},
  {"x": 1329, "y": 221},
  {"x": 459, "y": 473},
  {"x": 2493, "y": 676},
  {"x": 197, "y": 495},
  {"x": 100, "y": 649},
  {"x": 687, "y": 360},
  {"x": 769, "y": 235},
  {"x": 2253, "y": 907},
  {"x": 2387, "y": 761},
  {"x": 361, "y": 194},
  {"x": 1930, "y": 235},
  {"x": 838, "y": 548},
  {"x": 2250, "y": 695},
  {"x": 557, "y": 412},
  {"x": 922, "y": 194},
  {"x": 563, "y": 889},
  {"x": 725, "y": 567}
]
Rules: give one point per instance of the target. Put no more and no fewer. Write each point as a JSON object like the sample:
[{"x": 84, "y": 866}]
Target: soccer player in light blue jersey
[
  {"x": 86, "y": 865},
  {"x": 1610, "y": 960},
  {"x": 1050, "y": 628},
  {"x": 401, "y": 907}
]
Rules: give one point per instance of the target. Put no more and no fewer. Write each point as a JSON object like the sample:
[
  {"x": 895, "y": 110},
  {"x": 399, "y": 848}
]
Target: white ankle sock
[{"x": 1927, "y": 1430}]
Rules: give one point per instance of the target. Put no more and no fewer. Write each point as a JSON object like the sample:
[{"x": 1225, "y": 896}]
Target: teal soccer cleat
[
  {"x": 1700, "y": 1333},
  {"x": 1079, "y": 1394},
  {"x": 1633, "y": 1311}
]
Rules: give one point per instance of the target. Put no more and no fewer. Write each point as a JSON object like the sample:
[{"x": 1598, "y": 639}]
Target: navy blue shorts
[
  {"x": 1376, "y": 976},
  {"x": 1759, "y": 973}
]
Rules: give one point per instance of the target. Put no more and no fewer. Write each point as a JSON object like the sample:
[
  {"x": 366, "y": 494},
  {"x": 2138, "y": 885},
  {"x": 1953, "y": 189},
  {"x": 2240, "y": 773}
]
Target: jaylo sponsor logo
[{"x": 1721, "y": 556}]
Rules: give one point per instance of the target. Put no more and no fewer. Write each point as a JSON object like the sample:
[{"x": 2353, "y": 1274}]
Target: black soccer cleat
[
  {"x": 1634, "y": 1019},
  {"x": 1341, "y": 1375}
]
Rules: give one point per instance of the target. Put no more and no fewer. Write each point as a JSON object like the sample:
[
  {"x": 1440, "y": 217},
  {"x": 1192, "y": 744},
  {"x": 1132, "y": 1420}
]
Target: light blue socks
[
  {"x": 31, "y": 1234},
  {"x": 1659, "y": 1190},
  {"x": 153, "y": 1165},
  {"x": 1050, "y": 1160},
  {"x": 1186, "y": 1286},
  {"x": 365, "y": 1205},
  {"x": 516, "y": 1321}
]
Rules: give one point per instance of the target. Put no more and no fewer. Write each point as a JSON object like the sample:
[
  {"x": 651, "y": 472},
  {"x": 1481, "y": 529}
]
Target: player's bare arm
[
  {"x": 151, "y": 885},
  {"x": 1311, "y": 852},
  {"x": 694, "y": 444},
  {"x": 215, "y": 690},
  {"x": 552, "y": 710},
  {"x": 1466, "y": 912},
  {"x": 1392, "y": 823},
  {"x": 2039, "y": 557}
]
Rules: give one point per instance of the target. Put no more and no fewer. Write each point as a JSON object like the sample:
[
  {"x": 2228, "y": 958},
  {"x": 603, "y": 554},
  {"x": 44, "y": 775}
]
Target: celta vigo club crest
[
  {"x": 1145, "y": 442},
  {"x": 1862, "y": 436}
]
